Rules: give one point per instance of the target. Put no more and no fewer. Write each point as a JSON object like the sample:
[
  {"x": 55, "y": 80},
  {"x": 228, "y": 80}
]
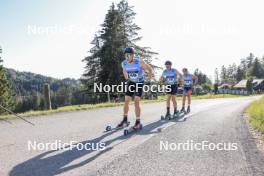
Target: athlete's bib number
[
  {"x": 133, "y": 75},
  {"x": 170, "y": 80},
  {"x": 187, "y": 82}
]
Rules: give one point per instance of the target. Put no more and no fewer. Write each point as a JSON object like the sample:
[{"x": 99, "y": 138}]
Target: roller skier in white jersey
[{"x": 133, "y": 71}]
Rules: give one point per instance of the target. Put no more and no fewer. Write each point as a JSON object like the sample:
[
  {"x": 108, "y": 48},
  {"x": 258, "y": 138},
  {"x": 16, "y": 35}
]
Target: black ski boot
[
  {"x": 183, "y": 110},
  {"x": 123, "y": 123},
  {"x": 168, "y": 116},
  {"x": 137, "y": 125},
  {"x": 176, "y": 113},
  {"x": 189, "y": 109}
]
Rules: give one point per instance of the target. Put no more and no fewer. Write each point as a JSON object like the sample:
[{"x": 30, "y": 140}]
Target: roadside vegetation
[
  {"x": 256, "y": 115},
  {"x": 103, "y": 105}
]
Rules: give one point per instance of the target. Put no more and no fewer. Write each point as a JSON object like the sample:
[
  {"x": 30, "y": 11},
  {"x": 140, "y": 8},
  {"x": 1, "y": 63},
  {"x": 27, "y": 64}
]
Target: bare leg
[
  {"x": 173, "y": 98},
  {"x": 137, "y": 112},
  {"x": 126, "y": 105},
  {"x": 168, "y": 100},
  {"x": 183, "y": 100},
  {"x": 137, "y": 107},
  {"x": 168, "y": 103},
  {"x": 126, "y": 109},
  {"x": 189, "y": 103},
  {"x": 189, "y": 99}
]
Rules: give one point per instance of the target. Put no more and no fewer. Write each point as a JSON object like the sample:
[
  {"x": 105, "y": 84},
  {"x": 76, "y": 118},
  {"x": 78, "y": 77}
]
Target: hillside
[
  {"x": 24, "y": 83},
  {"x": 27, "y": 90}
]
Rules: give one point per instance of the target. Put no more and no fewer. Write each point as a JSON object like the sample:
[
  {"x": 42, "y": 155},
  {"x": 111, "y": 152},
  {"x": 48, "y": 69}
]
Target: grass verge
[
  {"x": 102, "y": 105},
  {"x": 256, "y": 115}
]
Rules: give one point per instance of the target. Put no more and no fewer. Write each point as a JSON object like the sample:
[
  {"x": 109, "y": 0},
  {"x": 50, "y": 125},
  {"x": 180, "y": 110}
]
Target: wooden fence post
[{"x": 47, "y": 96}]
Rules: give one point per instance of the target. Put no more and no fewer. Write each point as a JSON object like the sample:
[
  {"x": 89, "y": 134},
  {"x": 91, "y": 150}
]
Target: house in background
[
  {"x": 238, "y": 89},
  {"x": 241, "y": 85},
  {"x": 226, "y": 86},
  {"x": 258, "y": 85}
]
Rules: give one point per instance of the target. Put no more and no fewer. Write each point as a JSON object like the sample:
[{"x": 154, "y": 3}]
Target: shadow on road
[{"x": 56, "y": 162}]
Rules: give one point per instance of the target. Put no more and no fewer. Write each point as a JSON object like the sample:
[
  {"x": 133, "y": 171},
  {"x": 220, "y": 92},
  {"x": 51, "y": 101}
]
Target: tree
[
  {"x": 131, "y": 35},
  {"x": 223, "y": 75},
  {"x": 243, "y": 64},
  {"x": 249, "y": 60},
  {"x": 231, "y": 74},
  {"x": 215, "y": 88},
  {"x": 257, "y": 69},
  {"x": 249, "y": 85},
  {"x": 5, "y": 91},
  {"x": 217, "y": 81},
  {"x": 203, "y": 81},
  {"x": 201, "y": 77},
  {"x": 240, "y": 74},
  {"x": 118, "y": 31},
  {"x": 92, "y": 67}
]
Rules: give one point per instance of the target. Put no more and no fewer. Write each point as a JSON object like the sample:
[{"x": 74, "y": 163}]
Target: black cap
[
  {"x": 129, "y": 50},
  {"x": 168, "y": 62}
]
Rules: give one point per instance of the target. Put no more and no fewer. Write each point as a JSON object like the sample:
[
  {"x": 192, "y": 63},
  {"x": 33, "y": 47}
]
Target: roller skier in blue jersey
[
  {"x": 188, "y": 80},
  {"x": 171, "y": 77},
  {"x": 133, "y": 71}
]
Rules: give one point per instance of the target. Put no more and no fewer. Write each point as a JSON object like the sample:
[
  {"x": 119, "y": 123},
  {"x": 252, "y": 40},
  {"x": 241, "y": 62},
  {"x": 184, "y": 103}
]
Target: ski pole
[{"x": 17, "y": 115}]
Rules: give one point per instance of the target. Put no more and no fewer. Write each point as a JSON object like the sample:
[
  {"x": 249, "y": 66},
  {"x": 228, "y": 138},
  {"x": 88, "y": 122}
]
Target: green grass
[
  {"x": 212, "y": 96},
  {"x": 64, "y": 109},
  {"x": 103, "y": 105},
  {"x": 256, "y": 115}
]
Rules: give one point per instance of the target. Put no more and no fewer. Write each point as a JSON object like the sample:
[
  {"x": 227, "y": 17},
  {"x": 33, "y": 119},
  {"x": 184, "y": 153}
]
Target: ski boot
[
  {"x": 188, "y": 109},
  {"x": 176, "y": 114},
  {"x": 183, "y": 110},
  {"x": 123, "y": 123},
  {"x": 137, "y": 126}
]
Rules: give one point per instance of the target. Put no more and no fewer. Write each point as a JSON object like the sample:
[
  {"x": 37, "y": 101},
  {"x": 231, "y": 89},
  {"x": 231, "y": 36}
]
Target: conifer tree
[
  {"x": 5, "y": 92},
  {"x": 118, "y": 31}
]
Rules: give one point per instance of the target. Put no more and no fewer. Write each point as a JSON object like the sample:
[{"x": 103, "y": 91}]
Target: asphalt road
[{"x": 213, "y": 122}]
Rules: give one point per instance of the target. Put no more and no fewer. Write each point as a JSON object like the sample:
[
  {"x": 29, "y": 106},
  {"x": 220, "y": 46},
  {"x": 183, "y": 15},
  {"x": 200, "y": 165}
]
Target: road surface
[{"x": 213, "y": 121}]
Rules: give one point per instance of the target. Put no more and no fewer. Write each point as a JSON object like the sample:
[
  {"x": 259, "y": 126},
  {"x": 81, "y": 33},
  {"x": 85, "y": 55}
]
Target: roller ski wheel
[
  {"x": 132, "y": 129},
  {"x": 108, "y": 128},
  {"x": 126, "y": 131}
]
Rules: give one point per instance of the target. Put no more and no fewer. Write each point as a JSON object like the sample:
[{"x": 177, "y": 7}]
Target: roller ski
[
  {"x": 121, "y": 125},
  {"x": 137, "y": 127},
  {"x": 182, "y": 114},
  {"x": 179, "y": 115},
  {"x": 168, "y": 116},
  {"x": 176, "y": 114}
]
